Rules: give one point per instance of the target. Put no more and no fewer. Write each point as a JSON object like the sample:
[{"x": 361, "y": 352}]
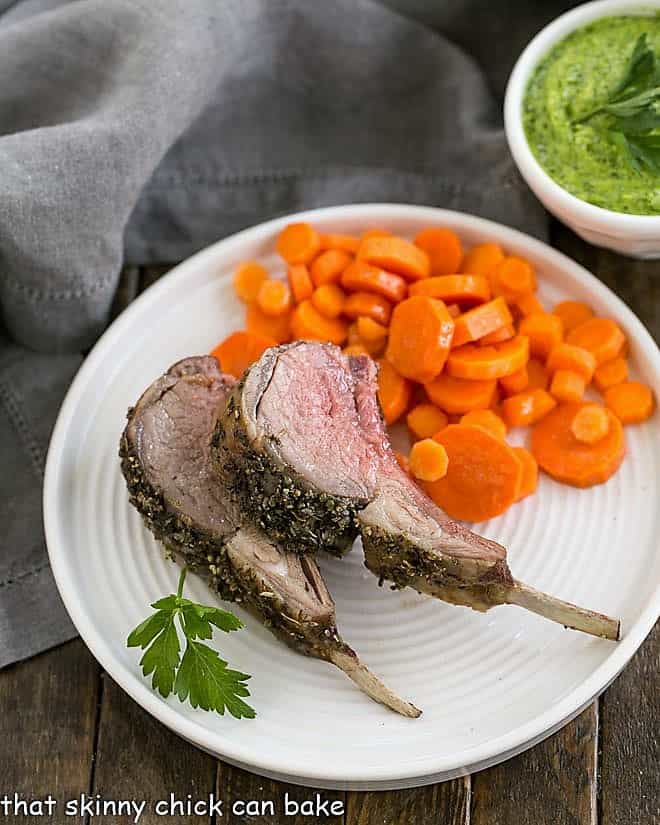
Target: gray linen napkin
[{"x": 142, "y": 130}]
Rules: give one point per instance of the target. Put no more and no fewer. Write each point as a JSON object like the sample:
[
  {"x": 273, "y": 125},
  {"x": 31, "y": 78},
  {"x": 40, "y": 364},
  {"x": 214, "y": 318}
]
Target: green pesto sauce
[{"x": 577, "y": 74}]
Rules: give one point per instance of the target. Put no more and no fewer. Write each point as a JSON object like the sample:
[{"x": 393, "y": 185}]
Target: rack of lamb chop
[
  {"x": 304, "y": 442},
  {"x": 166, "y": 460}
]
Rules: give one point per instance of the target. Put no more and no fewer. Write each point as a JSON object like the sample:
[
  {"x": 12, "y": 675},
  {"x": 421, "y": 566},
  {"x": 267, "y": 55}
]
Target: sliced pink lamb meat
[
  {"x": 166, "y": 460},
  {"x": 303, "y": 438}
]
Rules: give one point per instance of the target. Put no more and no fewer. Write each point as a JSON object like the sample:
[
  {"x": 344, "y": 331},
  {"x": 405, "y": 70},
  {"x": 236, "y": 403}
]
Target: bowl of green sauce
[{"x": 582, "y": 117}]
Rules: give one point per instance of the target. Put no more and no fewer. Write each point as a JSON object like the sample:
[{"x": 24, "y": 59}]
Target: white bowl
[
  {"x": 636, "y": 235},
  {"x": 490, "y": 685}
]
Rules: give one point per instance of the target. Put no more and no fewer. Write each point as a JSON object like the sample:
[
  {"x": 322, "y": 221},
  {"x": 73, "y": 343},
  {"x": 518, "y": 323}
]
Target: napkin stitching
[
  {"x": 237, "y": 179},
  {"x": 34, "y": 294},
  {"x": 12, "y": 405}
]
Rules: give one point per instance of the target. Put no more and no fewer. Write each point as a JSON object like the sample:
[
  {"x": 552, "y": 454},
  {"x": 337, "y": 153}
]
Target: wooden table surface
[{"x": 67, "y": 729}]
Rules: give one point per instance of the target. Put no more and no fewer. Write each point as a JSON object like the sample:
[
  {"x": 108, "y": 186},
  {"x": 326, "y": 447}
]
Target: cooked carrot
[
  {"x": 425, "y": 420},
  {"x": 269, "y": 326},
  {"x": 590, "y": 424},
  {"x": 529, "y": 475},
  {"x": 512, "y": 277},
  {"x": 538, "y": 377},
  {"x": 611, "y": 373},
  {"x": 356, "y": 349},
  {"x": 353, "y": 336},
  {"x": 479, "y": 363},
  {"x": 402, "y": 461},
  {"x": 300, "y": 282},
  {"x": 376, "y": 233},
  {"x": 601, "y": 336},
  {"x": 298, "y": 243},
  {"x": 248, "y": 277},
  {"x": 528, "y": 304},
  {"x": 483, "y": 474},
  {"x": 396, "y": 255},
  {"x": 544, "y": 331},
  {"x": 274, "y": 297},
  {"x": 526, "y": 407},
  {"x": 368, "y": 347},
  {"x": 394, "y": 392},
  {"x": 498, "y": 336},
  {"x": 359, "y": 276},
  {"x": 466, "y": 290},
  {"x": 480, "y": 321},
  {"x": 308, "y": 323},
  {"x": 570, "y": 357},
  {"x": 420, "y": 336},
  {"x": 454, "y": 310},
  {"x": 240, "y": 350},
  {"x": 371, "y": 331},
  {"x": 487, "y": 419},
  {"x": 572, "y": 314},
  {"x": 482, "y": 259},
  {"x": 567, "y": 385},
  {"x": 428, "y": 460},
  {"x": 368, "y": 305},
  {"x": 457, "y": 396},
  {"x": 348, "y": 243},
  {"x": 443, "y": 247},
  {"x": 630, "y": 401},
  {"x": 562, "y": 456},
  {"x": 516, "y": 382},
  {"x": 328, "y": 266},
  {"x": 329, "y": 299}
]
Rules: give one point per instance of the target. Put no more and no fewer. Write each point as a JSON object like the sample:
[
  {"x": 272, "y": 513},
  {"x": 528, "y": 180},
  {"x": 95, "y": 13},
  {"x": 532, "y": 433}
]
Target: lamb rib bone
[
  {"x": 303, "y": 438},
  {"x": 165, "y": 458}
]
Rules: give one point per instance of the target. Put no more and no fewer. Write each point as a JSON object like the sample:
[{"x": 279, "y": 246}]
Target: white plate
[{"x": 490, "y": 685}]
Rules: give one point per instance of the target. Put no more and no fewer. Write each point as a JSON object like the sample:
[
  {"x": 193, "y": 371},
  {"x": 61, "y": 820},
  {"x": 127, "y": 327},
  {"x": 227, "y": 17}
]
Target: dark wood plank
[
  {"x": 129, "y": 283},
  {"x": 447, "y": 803},
  {"x": 47, "y": 724},
  {"x": 139, "y": 759},
  {"x": 150, "y": 274},
  {"x": 553, "y": 783},
  {"x": 235, "y": 785},
  {"x": 630, "y": 721}
]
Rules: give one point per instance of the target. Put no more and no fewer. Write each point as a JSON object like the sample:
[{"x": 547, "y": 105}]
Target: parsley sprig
[
  {"x": 631, "y": 113},
  {"x": 201, "y": 676}
]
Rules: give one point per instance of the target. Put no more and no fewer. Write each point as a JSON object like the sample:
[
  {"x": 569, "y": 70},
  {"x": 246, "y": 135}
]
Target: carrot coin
[
  {"x": 396, "y": 255},
  {"x": 601, "y": 336},
  {"x": 458, "y": 396},
  {"x": 483, "y": 474},
  {"x": 240, "y": 350},
  {"x": 560, "y": 454},
  {"x": 394, "y": 392},
  {"x": 443, "y": 247},
  {"x": 420, "y": 336},
  {"x": 298, "y": 243},
  {"x": 480, "y": 363},
  {"x": 630, "y": 401}
]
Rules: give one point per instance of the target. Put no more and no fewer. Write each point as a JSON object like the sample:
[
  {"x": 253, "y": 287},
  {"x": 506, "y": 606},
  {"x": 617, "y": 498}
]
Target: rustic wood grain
[
  {"x": 236, "y": 785},
  {"x": 138, "y": 758},
  {"x": 630, "y": 737},
  {"x": 48, "y": 745},
  {"x": 48, "y": 709},
  {"x": 150, "y": 274},
  {"x": 127, "y": 291},
  {"x": 446, "y": 803},
  {"x": 553, "y": 783},
  {"x": 630, "y": 708}
]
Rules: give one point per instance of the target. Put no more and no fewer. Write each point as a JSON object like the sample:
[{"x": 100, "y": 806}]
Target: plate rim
[{"x": 472, "y": 758}]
